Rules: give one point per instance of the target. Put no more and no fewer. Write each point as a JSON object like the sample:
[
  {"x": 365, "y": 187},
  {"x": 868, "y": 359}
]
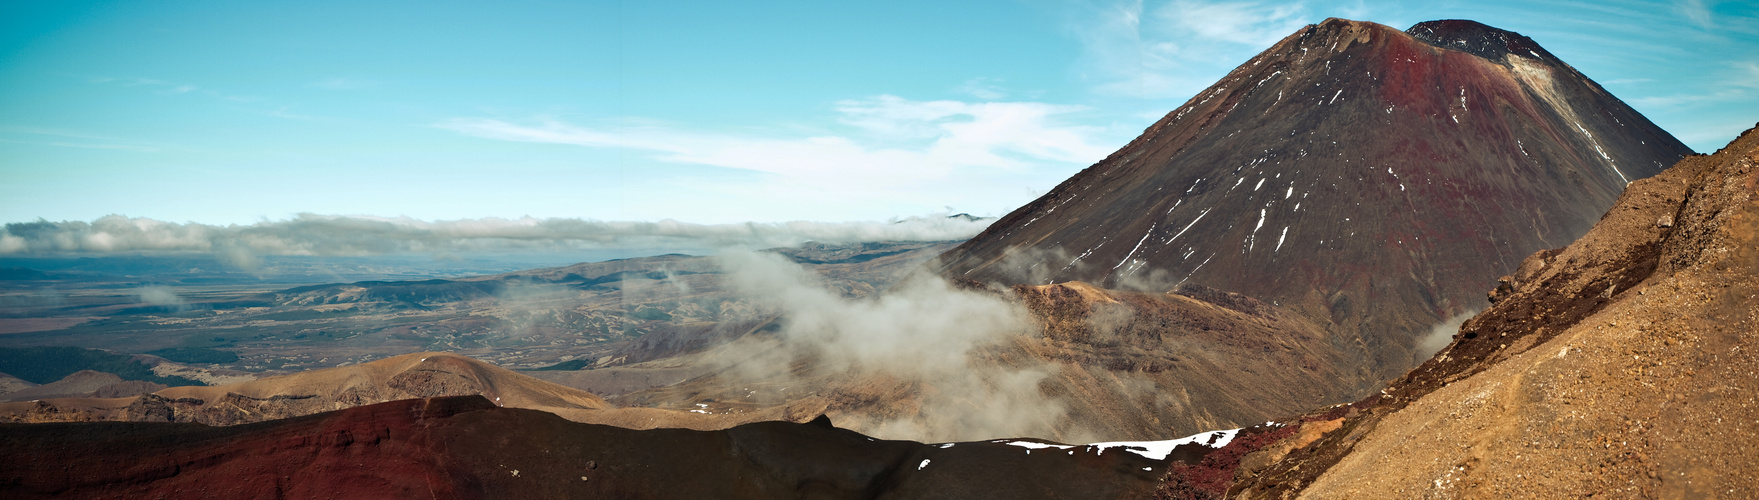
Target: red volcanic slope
[
  {"x": 1372, "y": 180},
  {"x": 466, "y": 447}
]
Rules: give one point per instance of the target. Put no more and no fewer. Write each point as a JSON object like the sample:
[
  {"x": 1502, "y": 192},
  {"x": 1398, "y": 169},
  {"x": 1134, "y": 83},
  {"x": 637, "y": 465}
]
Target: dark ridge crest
[{"x": 1478, "y": 39}]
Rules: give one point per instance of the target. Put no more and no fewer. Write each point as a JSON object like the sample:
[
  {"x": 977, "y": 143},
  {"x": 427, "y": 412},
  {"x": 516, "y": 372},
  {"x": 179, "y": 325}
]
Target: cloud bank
[{"x": 325, "y": 235}]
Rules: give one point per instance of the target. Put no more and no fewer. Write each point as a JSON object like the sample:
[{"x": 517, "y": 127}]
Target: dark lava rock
[
  {"x": 466, "y": 447},
  {"x": 1478, "y": 39}
]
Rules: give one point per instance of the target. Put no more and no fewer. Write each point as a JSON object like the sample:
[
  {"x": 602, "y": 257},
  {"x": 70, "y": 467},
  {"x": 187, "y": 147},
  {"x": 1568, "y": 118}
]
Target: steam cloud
[
  {"x": 923, "y": 334},
  {"x": 322, "y": 235},
  {"x": 1440, "y": 335}
]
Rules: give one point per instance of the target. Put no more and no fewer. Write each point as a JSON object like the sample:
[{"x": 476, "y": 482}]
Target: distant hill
[
  {"x": 402, "y": 377},
  {"x": 43, "y": 365}
]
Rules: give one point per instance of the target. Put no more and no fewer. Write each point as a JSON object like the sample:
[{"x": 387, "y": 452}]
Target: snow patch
[
  {"x": 1032, "y": 445},
  {"x": 1138, "y": 247},
  {"x": 1188, "y": 226},
  {"x": 1251, "y": 239},
  {"x": 1158, "y": 450}
]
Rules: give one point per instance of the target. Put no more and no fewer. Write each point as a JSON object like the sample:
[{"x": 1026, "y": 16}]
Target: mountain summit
[
  {"x": 1480, "y": 40},
  {"x": 1372, "y": 180}
]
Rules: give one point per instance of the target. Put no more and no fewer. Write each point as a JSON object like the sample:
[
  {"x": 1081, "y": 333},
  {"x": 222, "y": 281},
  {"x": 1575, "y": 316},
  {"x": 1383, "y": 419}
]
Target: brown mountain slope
[
  {"x": 1621, "y": 365},
  {"x": 1371, "y": 180}
]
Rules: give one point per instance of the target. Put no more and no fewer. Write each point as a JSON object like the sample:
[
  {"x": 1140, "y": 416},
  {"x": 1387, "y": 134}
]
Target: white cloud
[
  {"x": 890, "y": 143},
  {"x": 982, "y": 88},
  {"x": 33, "y": 135},
  {"x": 1747, "y": 74},
  {"x": 1173, "y": 49},
  {"x": 172, "y": 88},
  {"x": 343, "y": 83},
  {"x": 1253, "y": 24},
  {"x": 1696, "y": 12}
]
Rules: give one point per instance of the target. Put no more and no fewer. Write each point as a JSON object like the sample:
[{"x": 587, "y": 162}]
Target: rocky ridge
[{"x": 1619, "y": 365}]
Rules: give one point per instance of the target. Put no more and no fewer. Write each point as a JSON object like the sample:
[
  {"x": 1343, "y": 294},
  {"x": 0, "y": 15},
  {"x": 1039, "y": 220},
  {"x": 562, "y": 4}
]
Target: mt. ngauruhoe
[{"x": 1374, "y": 181}]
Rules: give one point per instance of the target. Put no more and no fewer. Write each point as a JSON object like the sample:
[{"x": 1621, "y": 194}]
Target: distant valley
[{"x": 622, "y": 310}]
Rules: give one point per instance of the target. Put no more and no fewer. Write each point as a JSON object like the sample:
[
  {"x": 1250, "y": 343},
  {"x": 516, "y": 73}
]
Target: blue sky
[{"x": 706, "y": 112}]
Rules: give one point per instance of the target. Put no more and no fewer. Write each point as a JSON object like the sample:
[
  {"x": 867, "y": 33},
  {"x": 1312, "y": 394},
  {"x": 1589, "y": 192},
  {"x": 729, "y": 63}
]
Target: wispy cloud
[
  {"x": 1674, "y": 100},
  {"x": 165, "y": 87},
  {"x": 343, "y": 83},
  {"x": 309, "y": 234},
  {"x": 1696, "y": 12},
  {"x": 61, "y": 138},
  {"x": 285, "y": 112},
  {"x": 988, "y": 89},
  {"x": 1172, "y": 49},
  {"x": 885, "y": 141},
  {"x": 170, "y": 88},
  {"x": 1735, "y": 85},
  {"x": 122, "y": 147},
  {"x": 1746, "y": 74}
]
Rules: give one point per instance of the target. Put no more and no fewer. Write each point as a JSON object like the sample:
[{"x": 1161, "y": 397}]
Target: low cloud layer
[{"x": 322, "y": 235}]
